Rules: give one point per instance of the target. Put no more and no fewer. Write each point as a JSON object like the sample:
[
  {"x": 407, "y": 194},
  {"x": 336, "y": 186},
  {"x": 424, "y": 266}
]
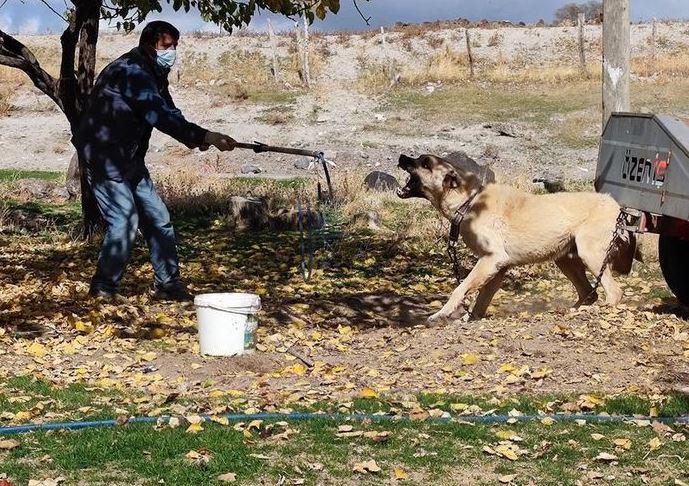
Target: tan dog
[{"x": 505, "y": 227}]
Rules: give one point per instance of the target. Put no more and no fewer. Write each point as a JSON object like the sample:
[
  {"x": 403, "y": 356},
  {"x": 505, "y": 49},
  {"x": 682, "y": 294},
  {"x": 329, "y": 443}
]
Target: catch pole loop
[{"x": 318, "y": 157}]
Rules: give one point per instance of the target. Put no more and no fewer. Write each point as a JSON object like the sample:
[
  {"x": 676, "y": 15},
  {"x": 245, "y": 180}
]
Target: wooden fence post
[
  {"x": 581, "y": 22},
  {"x": 654, "y": 45},
  {"x": 616, "y": 57},
  {"x": 469, "y": 54},
  {"x": 389, "y": 64},
  {"x": 273, "y": 50}
]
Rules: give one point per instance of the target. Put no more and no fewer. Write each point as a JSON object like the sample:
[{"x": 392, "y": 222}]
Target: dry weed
[
  {"x": 5, "y": 105},
  {"x": 447, "y": 66},
  {"x": 495, "y": 39},
  {"x": 676, "y": 65},
  {"x": 191, "y": 193},
  {"x": 506, "y": 72}
]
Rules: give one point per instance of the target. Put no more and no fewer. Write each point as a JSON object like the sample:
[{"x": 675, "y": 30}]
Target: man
[{"x": 129, "y": 99}]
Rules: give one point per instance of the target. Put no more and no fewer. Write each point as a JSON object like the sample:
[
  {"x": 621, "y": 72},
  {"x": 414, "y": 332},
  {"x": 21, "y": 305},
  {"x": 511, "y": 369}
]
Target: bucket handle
[{"x": 230, "y": 310}]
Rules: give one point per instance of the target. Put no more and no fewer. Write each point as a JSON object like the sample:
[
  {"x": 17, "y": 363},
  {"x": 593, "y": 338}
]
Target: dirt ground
[
  {"x": 350, "y": 330},
  {"x": 336, "y": 337}
]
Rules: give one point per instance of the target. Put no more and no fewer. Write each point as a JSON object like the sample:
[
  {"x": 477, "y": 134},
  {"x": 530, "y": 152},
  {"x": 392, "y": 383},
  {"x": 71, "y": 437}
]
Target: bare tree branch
[
  {"x": 12, "y": 62},
  {"x": 67, "y": 84},
  {"x": 367, "y": 20},
  {"x": 3, "y": 3},
  {"x": 15, "y": 54},
  {"x": 53, "y": 10}
]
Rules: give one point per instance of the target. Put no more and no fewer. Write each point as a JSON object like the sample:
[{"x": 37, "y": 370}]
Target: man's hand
[{"x": 222, "y": 142}]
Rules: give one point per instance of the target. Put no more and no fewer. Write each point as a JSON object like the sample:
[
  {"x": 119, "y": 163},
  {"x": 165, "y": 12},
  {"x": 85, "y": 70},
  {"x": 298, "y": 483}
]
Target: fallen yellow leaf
[
  {"x": 655, "y": 443},
  {"x": 400, "y": 474}
]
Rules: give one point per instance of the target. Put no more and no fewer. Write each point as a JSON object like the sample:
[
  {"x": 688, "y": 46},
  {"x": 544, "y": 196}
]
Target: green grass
[
  {"x": 497, "y": 103},
  {"x": 568, "y": 114},
  {"x": 429, "y": 453},
  {"x": 10, "y": 175},
  {"x": 273, "y": 96},
  {"x": 62, "y": 401},
  {"x": 287, "y": 183},
  {"x": 64, "y": 216}
]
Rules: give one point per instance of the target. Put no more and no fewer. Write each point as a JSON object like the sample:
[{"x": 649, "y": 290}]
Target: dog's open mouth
[
  {"x": 403, "y": 192},
  {"x": 411, "y": 188}
]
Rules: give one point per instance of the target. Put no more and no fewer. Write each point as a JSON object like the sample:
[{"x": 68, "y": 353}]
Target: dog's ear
[{"x": 451, "y": 180}]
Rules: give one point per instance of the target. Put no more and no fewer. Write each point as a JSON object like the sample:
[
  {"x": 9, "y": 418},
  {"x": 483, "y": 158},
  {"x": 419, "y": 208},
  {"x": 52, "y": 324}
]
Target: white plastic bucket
[{"x": 227, "y": 323}]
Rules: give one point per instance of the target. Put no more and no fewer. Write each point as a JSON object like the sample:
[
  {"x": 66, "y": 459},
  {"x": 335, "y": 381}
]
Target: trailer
[{"x": 643, "y": 163}]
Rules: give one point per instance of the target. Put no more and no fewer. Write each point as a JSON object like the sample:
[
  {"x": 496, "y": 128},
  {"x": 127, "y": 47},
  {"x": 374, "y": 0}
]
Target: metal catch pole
[{"x": 259, "y": 147}]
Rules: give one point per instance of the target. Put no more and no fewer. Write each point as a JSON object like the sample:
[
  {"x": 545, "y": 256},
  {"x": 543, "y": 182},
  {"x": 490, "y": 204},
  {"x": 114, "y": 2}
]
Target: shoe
[
  {"x": 177, "y": 293},
  {"x": 110, "y": 297}
]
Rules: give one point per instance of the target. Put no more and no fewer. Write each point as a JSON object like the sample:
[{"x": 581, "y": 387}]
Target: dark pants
[{"x": 125, "y": 207}]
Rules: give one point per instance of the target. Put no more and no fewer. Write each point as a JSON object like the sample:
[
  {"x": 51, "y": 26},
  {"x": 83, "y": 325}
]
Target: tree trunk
[
  {"x": 71, "y": 90},
  {"x": 86, "y": 71},
  {"x": 305, "y": 53}
]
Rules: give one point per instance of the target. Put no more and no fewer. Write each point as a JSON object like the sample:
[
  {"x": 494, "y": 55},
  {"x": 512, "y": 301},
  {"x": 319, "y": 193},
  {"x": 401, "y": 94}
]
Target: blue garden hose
[{"x": 339, "y": 417}]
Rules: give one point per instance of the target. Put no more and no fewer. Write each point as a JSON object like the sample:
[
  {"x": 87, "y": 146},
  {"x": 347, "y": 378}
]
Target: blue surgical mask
[{"x": 166, "y": 58}]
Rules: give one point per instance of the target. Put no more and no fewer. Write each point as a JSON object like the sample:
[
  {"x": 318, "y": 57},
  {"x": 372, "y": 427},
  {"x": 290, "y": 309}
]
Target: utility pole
[{"x": 616, "y": 57}]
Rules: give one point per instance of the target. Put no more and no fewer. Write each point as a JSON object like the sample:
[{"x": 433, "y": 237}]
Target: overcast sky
[{"x": 32, "y": 16}]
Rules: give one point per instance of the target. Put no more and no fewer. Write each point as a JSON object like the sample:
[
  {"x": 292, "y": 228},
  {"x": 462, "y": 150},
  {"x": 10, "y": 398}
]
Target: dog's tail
[{"x": 625, "y": 255}]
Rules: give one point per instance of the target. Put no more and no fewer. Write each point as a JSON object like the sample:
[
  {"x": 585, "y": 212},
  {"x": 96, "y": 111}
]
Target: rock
[
  {"x": 303, "y": 164},
  {"x": 465, "y": 163},
  {"x": 370, "y": 220},
  {"x": 381, "y": 181},
  {"x": 503, "y": 129},
  {"x": 39, "y": 189},
  {"x": 288, "y": 220},
  {"x": 249, "y": 213},
  {"x": 549, "y": 185},
  {"x": 60, "y": 193},
  {"x": 25, "y": 221},
  {"x": 251, "y": 169}
]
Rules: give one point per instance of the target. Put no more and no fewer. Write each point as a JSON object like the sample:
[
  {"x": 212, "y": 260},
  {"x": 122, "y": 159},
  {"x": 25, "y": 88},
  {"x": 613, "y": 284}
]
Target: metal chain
[
  {"x": 616, "y": 235},
  {"x": 452, "y": 253}
]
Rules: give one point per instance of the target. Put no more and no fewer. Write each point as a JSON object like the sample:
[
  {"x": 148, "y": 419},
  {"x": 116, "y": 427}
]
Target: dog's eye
[{"x": 426, "y": 165}]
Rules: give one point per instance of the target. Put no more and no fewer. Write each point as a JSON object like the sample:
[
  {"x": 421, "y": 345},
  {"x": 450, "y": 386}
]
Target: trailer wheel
[{"x": 673, "y": 254}]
